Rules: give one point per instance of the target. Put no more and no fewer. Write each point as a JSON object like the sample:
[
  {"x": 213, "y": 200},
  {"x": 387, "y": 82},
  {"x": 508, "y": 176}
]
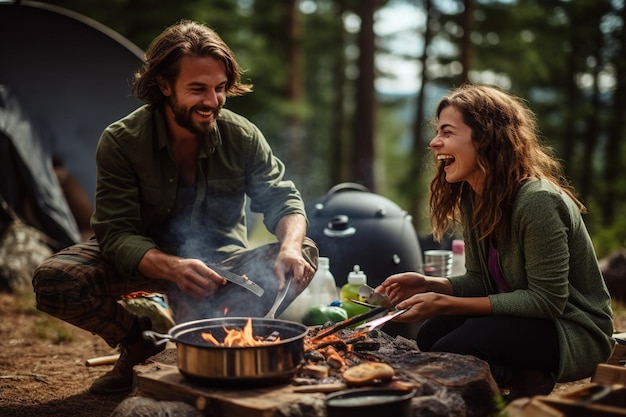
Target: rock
[
  {"x": 147, "y": 407},
  {"x": 461, "y": 383},
  {"x": 445, "y": 384}
]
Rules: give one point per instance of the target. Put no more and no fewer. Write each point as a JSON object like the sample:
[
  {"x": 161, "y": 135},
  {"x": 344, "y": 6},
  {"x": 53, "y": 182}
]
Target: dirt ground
[{"x": 42, "y": 364}]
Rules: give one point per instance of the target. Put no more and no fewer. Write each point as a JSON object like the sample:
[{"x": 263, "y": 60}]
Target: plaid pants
[{"x": 78, "y": 286}]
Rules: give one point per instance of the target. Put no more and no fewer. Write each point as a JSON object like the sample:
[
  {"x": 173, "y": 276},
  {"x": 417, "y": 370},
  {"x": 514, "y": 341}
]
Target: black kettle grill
[{"x": 353, "y": 226}]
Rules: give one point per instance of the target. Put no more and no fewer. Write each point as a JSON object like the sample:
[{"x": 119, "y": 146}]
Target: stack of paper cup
[{"x": 438, "y": 263}]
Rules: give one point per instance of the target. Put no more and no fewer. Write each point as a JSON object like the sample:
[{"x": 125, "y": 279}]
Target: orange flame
[{"x": 238, "y": 337}]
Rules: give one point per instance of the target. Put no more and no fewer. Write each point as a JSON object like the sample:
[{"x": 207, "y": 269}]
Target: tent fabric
[
  {"x": 63, "y": 79},
  {"x": 27, "y": 173},
  {"x": 72, "y": 76}
]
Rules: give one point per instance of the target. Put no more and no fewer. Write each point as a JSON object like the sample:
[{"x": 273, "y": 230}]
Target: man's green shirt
[{"x": 139, "y": 200}]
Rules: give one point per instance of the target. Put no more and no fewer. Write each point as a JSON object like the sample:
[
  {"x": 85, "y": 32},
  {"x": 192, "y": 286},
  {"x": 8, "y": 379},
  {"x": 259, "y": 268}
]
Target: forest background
[{"x": 344, "y": 89}]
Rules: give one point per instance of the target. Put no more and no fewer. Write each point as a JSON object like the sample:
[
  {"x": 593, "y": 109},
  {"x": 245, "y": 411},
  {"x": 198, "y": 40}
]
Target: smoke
[{"x": 195, "y": 231}]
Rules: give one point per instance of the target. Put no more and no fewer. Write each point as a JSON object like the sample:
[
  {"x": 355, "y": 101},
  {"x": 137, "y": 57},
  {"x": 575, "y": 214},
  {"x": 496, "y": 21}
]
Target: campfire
[
  {"x": 344, "y": 358},
  {"x": 304, "y": 363},
  {"x": 333, "y": 355},
  {"x": 241, "y": 337}
]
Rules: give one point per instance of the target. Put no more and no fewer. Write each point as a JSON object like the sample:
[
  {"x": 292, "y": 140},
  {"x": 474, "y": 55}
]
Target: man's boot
[{"x": 133, "y": 351}]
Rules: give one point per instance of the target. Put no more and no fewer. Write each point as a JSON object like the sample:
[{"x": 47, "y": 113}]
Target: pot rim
[
  {"x": 399, "y": 394},
  {"x": 205, "y": 324}
]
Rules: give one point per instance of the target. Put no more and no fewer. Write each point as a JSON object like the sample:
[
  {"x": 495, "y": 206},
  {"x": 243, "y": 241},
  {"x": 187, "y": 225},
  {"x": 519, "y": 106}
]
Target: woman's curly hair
[{"x": 509, "y": 152}]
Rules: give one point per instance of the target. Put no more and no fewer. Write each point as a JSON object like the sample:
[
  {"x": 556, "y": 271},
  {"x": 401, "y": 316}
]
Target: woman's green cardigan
[{"x": 549, "y": 264}]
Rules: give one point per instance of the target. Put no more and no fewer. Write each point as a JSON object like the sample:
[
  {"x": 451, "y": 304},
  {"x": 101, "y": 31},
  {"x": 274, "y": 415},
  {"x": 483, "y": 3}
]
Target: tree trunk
[
  {"x": 294, "y": 89},
  {"x": 412, "y": 183},
  {"x": 364, "y": 123},
  {"x": 339, "y": 171},
  {"x": 466, "y": 46},
  {"x": 614, "y": 149}
]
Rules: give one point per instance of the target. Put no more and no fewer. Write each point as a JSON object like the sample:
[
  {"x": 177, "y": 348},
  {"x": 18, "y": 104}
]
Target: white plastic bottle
[
  {"x": 458, "y": 258},
  {"x": 298, "y": 307},
  {"x": 323, "y": 288}
]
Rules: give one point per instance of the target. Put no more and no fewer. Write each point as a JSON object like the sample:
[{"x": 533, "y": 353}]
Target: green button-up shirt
[{"x": 138, "y": 193}]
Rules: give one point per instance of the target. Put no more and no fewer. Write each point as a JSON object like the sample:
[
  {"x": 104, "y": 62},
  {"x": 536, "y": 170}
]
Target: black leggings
[{"x": 505, "y": 342}]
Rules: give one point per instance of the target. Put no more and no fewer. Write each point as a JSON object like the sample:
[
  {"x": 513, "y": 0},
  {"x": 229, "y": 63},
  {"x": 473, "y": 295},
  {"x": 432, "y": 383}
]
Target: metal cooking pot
[{"x": 200, "y": 361}]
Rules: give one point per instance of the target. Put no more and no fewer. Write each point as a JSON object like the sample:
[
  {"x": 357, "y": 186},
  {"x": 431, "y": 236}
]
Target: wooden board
[
  {"x": 619, "y": 354},
  {"x": 165, "y": 382},
  {"x": 607, "y": 374}
]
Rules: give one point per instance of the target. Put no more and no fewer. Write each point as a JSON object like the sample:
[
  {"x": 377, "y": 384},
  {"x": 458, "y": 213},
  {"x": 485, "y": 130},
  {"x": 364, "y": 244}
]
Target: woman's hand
[
  {"x": 401, "y": 286},
  {"x": 423, "y": 306},
  {"x": 430, "y": 304},
  {"x": 426, "y": 296}
]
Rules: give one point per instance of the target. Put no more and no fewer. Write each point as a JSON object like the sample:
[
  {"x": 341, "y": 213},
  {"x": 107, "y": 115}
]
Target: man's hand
[
  {"x": 291, "y": 230},
  {"x": 292, "y": 262},
  {"x": 192, "y": 276}
]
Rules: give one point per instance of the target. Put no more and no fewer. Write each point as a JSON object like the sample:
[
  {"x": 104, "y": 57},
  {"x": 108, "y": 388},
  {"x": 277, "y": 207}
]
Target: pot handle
[{"x": 157, "y": 338}]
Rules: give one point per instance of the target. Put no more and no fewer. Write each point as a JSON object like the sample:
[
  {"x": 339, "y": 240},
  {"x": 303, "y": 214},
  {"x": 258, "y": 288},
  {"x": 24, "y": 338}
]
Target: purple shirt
[{"x": 494, "y": 268}]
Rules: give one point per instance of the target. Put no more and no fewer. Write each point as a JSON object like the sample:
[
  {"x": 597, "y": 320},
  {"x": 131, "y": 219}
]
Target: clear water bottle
[
  {"x": 298, "y": 307},
  {"x": 458, "y": 258},
  {"x": 323, "y": 288}
]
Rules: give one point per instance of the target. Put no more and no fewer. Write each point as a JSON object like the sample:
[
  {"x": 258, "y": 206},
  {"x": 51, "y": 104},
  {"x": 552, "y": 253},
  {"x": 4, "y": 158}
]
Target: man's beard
[{"x": 184, "y": 118}]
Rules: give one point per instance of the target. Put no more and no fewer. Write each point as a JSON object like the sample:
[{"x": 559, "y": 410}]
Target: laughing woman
[{"x": 533, "y": 303}]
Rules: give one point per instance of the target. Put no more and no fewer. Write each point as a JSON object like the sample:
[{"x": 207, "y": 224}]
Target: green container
[{"x": 350, "y": 291}]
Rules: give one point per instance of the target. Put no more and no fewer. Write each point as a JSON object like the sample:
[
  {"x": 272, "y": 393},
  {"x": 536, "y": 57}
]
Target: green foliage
[
  {"x": 53, "y": 330},
  {"x": 611, "y": 238},
  {"x": 24, "y": 302},
  {"x": 619, "y": 309},
  {"x": 565, "y": 57},
  {"x": 45, "y": 327}
]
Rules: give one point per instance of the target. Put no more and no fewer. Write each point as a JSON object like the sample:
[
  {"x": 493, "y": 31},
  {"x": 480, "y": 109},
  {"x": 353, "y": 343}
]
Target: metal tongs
[
  {"x": 376, "y": 323},
  {"x": 373, "y": 300},
  {"x": 386, "y": 308},
  {"x": 280, "y": 297},
  {"x": 349, "y": 322}
]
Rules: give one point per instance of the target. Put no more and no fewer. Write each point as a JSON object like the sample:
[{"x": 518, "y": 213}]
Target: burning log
[
  {"x": 333, "y": 359},
  {"x": 366, "y": 345},
  {"x": 315, "y": 370}
]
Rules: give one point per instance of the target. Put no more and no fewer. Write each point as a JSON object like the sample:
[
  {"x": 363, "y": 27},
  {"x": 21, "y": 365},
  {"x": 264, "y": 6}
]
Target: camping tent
[{"x": 69, "y": 77}]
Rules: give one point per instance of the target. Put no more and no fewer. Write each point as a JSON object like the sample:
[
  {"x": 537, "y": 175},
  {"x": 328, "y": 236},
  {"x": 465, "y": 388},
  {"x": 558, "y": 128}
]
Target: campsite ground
[{"x": 42, "y": 364}]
